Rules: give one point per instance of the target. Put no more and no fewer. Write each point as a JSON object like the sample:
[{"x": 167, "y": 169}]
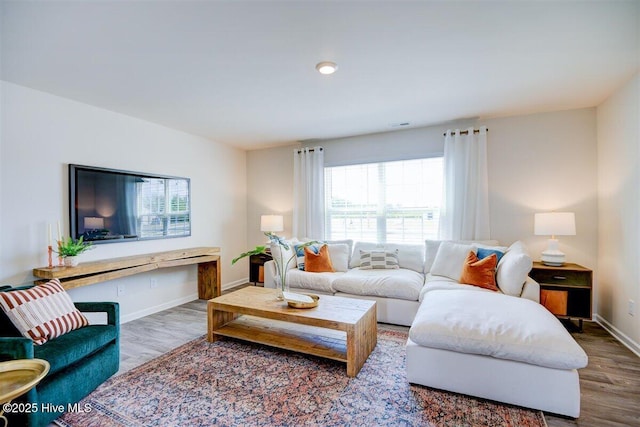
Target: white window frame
[{"x": 424, "y": 210}]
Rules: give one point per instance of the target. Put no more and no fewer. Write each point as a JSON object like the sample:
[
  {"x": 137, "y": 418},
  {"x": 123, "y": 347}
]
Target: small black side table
[
  {"x": 256, "y": 267},
  {"x": 565, "y": 291}
]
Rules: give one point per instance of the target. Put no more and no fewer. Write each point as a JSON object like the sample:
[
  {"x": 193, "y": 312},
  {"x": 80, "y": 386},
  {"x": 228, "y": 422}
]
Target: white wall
[
  {"x": 42, "y": 134},
  {"x": 537, "y": 163},
  {"x": 541, "y": 163},
  {"x": 619, "y": 210},
  {"x": 269, "y": 175}
]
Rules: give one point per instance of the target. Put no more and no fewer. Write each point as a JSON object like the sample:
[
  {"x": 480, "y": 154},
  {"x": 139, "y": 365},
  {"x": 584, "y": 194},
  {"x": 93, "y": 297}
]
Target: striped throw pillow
[
  {"x": 379, "y": 259},
  {"x": 42, "y": 312}
]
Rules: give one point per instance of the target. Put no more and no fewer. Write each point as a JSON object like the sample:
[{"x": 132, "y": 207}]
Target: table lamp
[
  {"x": 271, "y": 223},
  {"x": 554, "y": 224}
]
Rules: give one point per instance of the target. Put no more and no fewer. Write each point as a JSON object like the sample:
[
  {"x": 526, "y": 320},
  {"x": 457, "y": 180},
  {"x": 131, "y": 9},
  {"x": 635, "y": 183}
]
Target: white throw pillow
[
  {"x": 339, "y": 254},
  {"x": 450, "y": 259},
  {"x": 432, "y": 246},
  {"x": 431, "y": 250},
  {"x": 513, "y": 269},
  {"x": 410, "y": 256},
  {"x": 287, "y": 254},
  {"x": 347, "y": 242}
]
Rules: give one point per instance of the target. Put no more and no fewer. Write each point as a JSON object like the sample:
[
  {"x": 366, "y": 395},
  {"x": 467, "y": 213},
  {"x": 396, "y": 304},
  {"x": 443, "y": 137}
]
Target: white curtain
[
  {"x": 308, "y": 193},
  {"x": 465, "y": 204}
]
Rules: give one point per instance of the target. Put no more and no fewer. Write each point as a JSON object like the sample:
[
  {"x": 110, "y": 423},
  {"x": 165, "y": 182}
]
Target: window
[{"x": 391, "y": 202}]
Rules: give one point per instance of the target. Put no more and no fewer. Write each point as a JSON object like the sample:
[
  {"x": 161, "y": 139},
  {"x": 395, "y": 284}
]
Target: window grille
[{"x": 390, "y": 202}]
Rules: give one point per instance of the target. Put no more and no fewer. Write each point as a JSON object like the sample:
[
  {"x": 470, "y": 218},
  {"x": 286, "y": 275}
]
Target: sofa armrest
[
  {"x": 12, "y": 348},
  {"x": 270, "y": 274},
  {"x": 531, "y": 290},
  {"x": 111, "y": 308}
]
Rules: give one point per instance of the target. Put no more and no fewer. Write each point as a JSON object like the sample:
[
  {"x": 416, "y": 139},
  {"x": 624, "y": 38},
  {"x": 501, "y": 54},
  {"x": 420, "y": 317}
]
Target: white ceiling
[{"x": 243, "y": 72}]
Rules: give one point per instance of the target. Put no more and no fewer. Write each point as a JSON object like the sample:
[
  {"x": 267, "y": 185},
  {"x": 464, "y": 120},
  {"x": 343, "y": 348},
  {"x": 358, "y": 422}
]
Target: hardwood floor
[{"x": 610, "y": 384}]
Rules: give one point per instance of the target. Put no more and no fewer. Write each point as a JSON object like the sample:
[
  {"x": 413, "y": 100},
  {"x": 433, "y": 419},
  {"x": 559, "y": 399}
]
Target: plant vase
[
  {"x": 283, "y": 286},
  {"x": 71, "y": 261}
]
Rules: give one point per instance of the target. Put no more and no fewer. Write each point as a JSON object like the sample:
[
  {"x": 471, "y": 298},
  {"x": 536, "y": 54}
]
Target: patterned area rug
[{"x": 232, "y": 383}]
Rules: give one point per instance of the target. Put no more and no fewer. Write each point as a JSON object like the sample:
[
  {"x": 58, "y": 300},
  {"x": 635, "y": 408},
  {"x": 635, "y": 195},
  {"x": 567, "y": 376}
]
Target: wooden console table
[{"x": 88, "y": 273}]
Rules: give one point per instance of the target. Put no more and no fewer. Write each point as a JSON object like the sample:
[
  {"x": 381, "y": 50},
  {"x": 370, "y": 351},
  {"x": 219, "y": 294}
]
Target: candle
[
  {"x": 59, "y": 233},
  {"x": 49, "y": 234}
]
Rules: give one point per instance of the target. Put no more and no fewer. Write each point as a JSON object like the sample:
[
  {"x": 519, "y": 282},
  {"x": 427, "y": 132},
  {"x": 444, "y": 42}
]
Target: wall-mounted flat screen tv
[{"x": 108, "y": 205}]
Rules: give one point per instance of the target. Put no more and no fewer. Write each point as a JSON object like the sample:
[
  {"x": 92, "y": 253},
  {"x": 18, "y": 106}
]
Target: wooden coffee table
[{"x": 342, "y": 329}]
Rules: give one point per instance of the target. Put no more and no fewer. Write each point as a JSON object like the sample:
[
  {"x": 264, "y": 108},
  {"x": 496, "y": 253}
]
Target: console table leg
[{"x": 209, "y": 279}]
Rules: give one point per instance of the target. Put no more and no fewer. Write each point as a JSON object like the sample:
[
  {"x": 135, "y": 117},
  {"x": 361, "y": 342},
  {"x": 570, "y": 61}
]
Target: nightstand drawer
[{"x": 563, "y": 277}]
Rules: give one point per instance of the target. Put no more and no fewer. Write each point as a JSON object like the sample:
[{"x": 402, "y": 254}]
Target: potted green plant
[
  {"x": 69, "y": 249},
  {"x": 282, "y": 267}
]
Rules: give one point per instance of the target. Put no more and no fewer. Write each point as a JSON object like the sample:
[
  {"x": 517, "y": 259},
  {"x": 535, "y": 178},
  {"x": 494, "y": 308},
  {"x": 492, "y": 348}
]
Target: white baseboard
[
  {"x": 174, "y": 303},
  {"x": 619, "y": 335},
  {"x": 156, "y": 308},
  {"x": 231, "y": 285}
]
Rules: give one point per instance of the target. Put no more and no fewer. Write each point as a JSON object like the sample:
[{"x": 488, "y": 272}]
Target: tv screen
[{"x": 108, "y": 205}]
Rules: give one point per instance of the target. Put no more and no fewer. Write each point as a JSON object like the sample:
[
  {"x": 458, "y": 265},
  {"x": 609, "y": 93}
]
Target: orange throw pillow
[
  {"x": 317, "y": 262},
  {"x": 481, "y": 272}
]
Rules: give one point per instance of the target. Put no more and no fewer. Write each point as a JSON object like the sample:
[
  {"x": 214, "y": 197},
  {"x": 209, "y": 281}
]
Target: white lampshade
[
  {"x": 93, "y": 223},
  {"x": 272, "y": 223},
  {"x": 554, "y": 224}
]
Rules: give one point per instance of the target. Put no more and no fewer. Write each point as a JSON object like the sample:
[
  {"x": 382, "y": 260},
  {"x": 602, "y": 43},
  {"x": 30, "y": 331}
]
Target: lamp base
[{"x": 552, "y": 256}]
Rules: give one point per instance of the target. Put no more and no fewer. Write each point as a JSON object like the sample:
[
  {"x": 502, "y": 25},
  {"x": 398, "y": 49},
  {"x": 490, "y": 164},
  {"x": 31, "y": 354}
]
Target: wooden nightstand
[
  {"x": 565, "y": 291},
  {"x": 256, "y": 267}
]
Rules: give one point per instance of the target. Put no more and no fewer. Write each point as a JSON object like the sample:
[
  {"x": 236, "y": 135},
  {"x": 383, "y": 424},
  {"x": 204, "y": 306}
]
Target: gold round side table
[{"x": 18, "y": 377}]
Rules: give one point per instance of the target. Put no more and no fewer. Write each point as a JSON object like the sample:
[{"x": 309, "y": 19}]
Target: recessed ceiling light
[{"x": 326, "y": 67}]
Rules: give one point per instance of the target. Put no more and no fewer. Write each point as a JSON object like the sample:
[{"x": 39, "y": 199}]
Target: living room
[{"x": 572, "y": 146}]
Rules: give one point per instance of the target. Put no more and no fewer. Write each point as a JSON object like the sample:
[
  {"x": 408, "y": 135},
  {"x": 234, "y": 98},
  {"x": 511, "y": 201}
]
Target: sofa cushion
[
  {"x": 74, "y": 346},
  {"x": 334, "y": 243},
  {"x": 339, "y": 253},
  {"x": 379, "y": 260},
  {"x": 513, "y": 269},
  {"x": 441, "y": 283},
  {"x": 495, "y": 325},
  {"x": 42, "y": 312},
  {"x": 322, "y": 282},
  {"x": 317, "y": 260},
  {"x": 409, "y": 256},
  {"x": 450, "y": 259},
  {"x": 401, "y": 283},
  {"x": 480, "y": 272},
  {"x": 285, "y": 256},
  {"x": 432, "y": 246}
]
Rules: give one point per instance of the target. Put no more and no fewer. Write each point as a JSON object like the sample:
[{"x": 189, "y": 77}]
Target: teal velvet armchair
[{"x": 80, "y": 361}]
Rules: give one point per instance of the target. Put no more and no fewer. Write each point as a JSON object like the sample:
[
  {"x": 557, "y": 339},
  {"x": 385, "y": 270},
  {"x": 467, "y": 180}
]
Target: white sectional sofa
[
  {"x": 500, "y": 345},
  {"x": 397, "y": 292}
]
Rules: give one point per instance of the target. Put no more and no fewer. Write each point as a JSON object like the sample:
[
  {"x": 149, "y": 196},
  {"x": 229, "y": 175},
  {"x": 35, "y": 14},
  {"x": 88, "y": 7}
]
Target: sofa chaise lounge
[{"x": 502, "y": 345}]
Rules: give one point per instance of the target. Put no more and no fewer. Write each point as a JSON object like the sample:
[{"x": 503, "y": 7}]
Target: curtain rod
[
  {"x": 310, "y": 149},
  {"x": 466, "y": 132}
]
